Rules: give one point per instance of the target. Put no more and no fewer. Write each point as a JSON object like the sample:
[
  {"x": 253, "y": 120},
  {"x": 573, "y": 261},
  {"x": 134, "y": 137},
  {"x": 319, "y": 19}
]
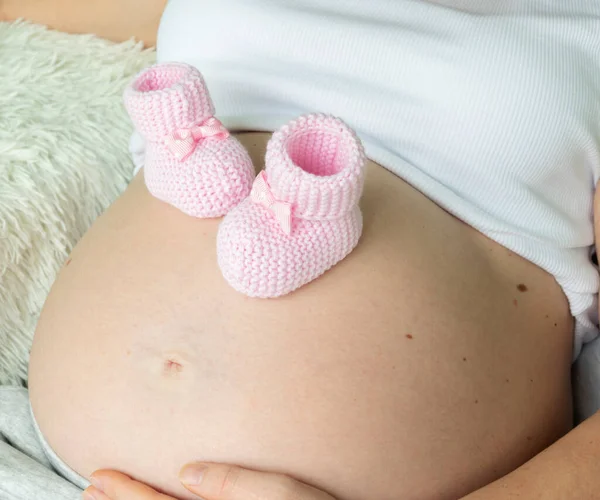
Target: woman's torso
[
  {"x": 427, "y": 363},
  {"x": 491, "y": 109}
]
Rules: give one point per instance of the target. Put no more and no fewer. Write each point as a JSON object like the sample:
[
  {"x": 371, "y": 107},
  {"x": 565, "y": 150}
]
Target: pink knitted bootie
[
  {"x": 302, "y": 216},
  {"x": 191, "y": 160}
]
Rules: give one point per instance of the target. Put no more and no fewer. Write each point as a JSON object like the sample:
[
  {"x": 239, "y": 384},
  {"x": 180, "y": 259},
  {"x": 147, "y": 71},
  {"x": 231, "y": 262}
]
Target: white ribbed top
[{"x": 491, "y": 108}]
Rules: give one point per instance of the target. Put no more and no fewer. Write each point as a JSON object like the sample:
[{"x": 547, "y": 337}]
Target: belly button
[
  {"x": 172, "y": 367},
  {"x": 168, "y": 364}
]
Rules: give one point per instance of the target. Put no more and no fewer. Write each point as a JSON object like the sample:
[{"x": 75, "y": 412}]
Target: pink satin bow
[
  {"x": 183, "y": 141},
  {"x": 262, "y": 195}
]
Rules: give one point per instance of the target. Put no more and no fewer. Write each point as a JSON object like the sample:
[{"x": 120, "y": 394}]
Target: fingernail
[
  {"x": 192, "y": 474},
  {"x": 87, "y": 495},
  {"x": 96, "y": 482}
]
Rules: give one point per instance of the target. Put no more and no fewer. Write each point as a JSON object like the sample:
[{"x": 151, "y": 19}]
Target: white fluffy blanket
[{"x": 63, "y": 160}]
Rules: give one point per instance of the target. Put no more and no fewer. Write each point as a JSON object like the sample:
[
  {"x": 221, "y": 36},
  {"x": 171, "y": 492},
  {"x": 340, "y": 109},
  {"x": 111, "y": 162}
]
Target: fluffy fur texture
[{"x": 63, "y": 160}]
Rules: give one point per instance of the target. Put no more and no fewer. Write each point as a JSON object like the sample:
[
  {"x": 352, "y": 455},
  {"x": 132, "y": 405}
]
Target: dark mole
[
  {"x": 516, "y": 303},
  {"x": 464, "y": 359},
  {"x": 522, "y": 287},
  {"x": 507, "y": 380},
  {"x": 409, "y": 336},
  {"x": 68, "y": 262},
  {"x": 477, "y": 401},
  {"x": 547, "y": 316},
  {"x": 555, "y": 324}
]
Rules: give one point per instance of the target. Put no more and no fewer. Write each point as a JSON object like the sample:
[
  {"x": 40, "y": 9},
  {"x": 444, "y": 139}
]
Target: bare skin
[
  {"x": 568, "y": 469},
  {"x": 429, "y": 410},
  {"x": 428, "y": 344},
  {"x": 115, "y": 20}
]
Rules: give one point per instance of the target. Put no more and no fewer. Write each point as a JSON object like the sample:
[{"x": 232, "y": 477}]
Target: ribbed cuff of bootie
[
  {"x": 166, "y": 97},
  {"x": 330, "y": 180}
]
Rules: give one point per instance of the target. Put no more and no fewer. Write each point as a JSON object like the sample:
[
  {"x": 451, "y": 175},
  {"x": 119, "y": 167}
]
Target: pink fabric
[
  {"x": 316, "y": 165},
  {"x": 282, "y": 211},
  {"x": 183, "y": 141},
  {"x": 191, "y": 161}
]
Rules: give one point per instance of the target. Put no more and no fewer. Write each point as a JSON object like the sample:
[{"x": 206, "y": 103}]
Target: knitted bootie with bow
[
  {"x": 302, "y": 216},
  {"x": 191, "y": 161}
]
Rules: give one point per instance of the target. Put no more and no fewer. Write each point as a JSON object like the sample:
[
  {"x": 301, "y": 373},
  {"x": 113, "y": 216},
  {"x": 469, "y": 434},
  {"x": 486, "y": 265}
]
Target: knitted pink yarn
[
  {"x": 315, "y": 166},
  {"x": 171, "y": 98}
]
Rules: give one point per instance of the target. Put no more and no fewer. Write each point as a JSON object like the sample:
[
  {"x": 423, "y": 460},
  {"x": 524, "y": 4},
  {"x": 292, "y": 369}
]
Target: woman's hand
[{"x": 208, "y": 481}]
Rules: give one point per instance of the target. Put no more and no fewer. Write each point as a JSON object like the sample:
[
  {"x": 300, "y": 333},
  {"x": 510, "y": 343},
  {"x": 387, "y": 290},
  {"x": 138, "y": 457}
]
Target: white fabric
[
  {"x": 491, "y": 108},
  {"x": 29, "y": 469},
  {"x": 63, "y": 159}
]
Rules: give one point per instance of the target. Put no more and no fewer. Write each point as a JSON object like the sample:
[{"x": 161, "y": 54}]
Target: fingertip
[
  {"x": 106, "y": 481},
  {"x": 96, "y": 480},
  {"x": 92, "y": 493},
  {"x": 192, "y": 474}
]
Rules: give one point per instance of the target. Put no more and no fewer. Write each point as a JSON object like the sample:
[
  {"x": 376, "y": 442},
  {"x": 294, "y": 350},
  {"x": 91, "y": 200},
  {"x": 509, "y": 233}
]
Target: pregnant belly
[{"x": 417, "y": 368}]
